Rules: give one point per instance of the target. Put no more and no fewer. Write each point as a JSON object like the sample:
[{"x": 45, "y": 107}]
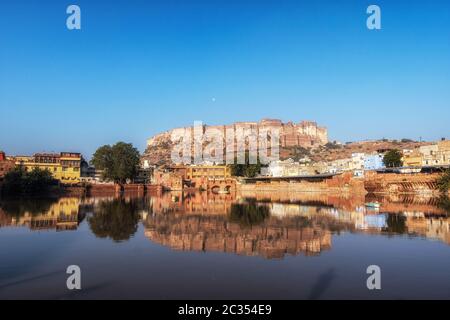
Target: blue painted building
[{"x": 373, "y": 162}]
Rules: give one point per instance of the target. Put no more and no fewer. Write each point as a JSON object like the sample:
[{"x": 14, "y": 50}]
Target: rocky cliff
[{"x": 305, "y": 134}]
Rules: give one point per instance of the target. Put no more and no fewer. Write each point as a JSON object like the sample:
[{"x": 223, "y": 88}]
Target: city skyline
[{"x": 134, "y": 71}]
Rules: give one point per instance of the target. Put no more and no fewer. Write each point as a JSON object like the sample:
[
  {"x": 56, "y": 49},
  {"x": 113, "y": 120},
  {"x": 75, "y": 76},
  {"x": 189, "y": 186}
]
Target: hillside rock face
[{"x": 305, "y": 134}]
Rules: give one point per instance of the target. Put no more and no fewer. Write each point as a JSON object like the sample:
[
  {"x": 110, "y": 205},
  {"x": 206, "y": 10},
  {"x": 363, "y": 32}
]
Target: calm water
[{"x": 277, "y": 246}]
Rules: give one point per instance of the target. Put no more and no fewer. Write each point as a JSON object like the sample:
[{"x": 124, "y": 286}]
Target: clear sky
[{"x": 137, "y": 68}]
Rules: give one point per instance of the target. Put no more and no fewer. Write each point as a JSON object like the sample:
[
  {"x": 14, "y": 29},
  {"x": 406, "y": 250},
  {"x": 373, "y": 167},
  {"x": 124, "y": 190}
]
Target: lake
[{"x": 221, "y": 246}]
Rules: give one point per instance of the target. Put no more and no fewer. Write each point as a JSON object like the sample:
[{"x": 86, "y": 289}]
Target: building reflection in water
[
  {"x": 280, "y": 225},
  {"x": 267, "y": 225},
  {"x": 245, "y": 227},
  {"x": 42, "y": 214}
]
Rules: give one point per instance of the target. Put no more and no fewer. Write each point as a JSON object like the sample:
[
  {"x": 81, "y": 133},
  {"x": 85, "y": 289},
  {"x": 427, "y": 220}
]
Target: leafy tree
[
  {"x": 12, "y": 182},
  {"x": 392, "y": 159},
  {"x": 19, "y": 181},
  {"x": 444, "y": 182},
  {"x": 246, "y": 170},
  {"x": 118, "y": 162}
]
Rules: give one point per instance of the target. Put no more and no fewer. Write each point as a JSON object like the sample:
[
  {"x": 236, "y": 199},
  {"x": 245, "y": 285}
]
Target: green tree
[
  {"x": 118, "y": 162},
  {"x": 19, "y": 182},
  {"x": 12, "y": 182},
  {"x": 246, "y": 170},
  {"x": 444, "y": 181},
  {"x": 393, "y": 158}
]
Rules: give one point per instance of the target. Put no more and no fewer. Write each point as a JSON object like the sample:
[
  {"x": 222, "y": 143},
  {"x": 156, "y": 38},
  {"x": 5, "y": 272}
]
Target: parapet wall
[
  {"x": 392, "y": 183},
  {"x": 373, "y": 182},
  {"x": 344, "y": 183}
]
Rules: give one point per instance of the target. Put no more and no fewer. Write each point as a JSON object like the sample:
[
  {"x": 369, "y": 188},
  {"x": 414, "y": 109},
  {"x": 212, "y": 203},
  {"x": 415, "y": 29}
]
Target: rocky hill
[
  {"x": 305, "y": 135},
  {"x": 297, "y": 141}
]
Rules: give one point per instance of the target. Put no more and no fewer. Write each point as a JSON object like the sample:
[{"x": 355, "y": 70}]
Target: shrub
[{"x": 444, "y": 182}]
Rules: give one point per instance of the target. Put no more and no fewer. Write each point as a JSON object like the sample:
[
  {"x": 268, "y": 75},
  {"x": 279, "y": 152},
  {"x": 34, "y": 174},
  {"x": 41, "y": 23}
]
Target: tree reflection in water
[
  {"x": 396, "y": 223},
  {"x": 249, "y": 214},
  {"x": 444, "y": 203},
  {"x": 116, "y": 219},
  {"x": 17, "y": 207}
]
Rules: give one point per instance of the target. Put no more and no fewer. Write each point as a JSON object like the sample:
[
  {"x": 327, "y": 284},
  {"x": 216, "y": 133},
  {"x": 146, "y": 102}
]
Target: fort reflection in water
[{"x": 267, "y": 225}]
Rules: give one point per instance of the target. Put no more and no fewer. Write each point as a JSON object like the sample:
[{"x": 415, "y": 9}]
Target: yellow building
[
  {"x": 436, "y": 154},
  {"x": 64, "y": 166},
  {"x": 444, "y": 152},
  {"x": 430, "y": 155},
  {"x": 412, "y": 159}
]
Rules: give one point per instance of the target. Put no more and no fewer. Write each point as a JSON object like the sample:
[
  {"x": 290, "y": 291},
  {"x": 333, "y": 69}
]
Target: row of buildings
[
  {"x": 431, "y": 155},
  {"x": 65, "y": 167},
  {"x": 434, "y": 155},
  {"x": 71, "y": 168},
  {"x": 202, "y": 177},
  {"x": 358, "y": 163},
  {"x": 68, "y": 168}
]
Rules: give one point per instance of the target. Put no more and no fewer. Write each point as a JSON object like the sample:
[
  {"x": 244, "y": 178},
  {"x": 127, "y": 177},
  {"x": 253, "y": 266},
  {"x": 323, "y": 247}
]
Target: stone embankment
[
  {"x": 344, "y": 183},
  {"x": 373, "y": 182},
  {"x": 392, "y": 183}
]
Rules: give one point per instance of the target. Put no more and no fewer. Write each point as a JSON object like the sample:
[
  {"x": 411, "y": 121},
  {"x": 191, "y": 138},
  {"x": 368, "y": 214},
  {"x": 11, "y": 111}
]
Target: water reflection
[
  {"x": 285, "y": 224},
  {"x": 116, "y": 219},
  {"x": 248, "y": 214},
  {"x": 267, "y": 225},
  {"x": 246, "y": 229},
  {"x": 41, "y": 214}
]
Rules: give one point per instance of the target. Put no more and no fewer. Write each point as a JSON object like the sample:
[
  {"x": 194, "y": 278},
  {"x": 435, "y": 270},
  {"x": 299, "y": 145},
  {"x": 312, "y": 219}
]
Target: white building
[
  {"x": 288, "y": 168},
  {"x": 357, "y": 161}
]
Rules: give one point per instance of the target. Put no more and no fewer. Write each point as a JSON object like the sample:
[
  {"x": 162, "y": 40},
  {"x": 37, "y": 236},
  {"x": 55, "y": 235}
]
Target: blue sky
[{"x": 137, "y": 68}]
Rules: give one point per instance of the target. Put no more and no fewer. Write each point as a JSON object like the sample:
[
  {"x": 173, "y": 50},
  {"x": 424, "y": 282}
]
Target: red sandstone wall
[
  {"x": 418, "y": 183},
  {"x": 344, "y": 183}
]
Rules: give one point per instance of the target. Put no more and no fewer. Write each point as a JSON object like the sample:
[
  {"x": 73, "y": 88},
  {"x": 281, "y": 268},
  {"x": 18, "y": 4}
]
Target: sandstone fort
[{"x": 306, "y": 134}]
